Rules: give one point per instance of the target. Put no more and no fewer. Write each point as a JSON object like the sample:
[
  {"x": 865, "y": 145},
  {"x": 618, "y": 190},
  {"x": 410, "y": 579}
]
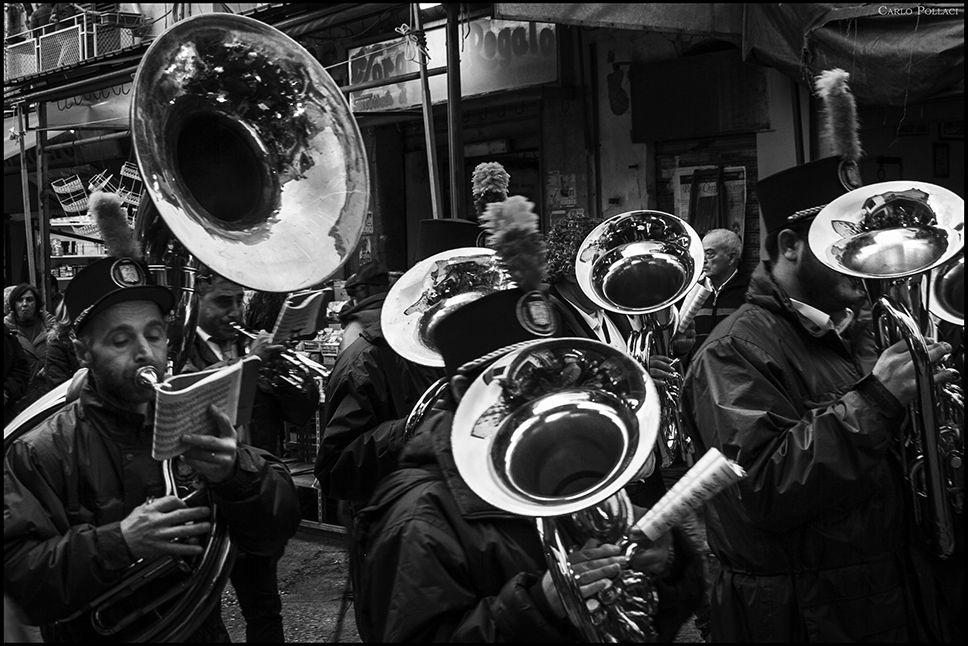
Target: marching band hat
[
  {"x": 485, "y": 329},
  {"x": 110, "y": 281},
  {"x": 800, "y": 193},
  {"x": 444, "y": 234}
]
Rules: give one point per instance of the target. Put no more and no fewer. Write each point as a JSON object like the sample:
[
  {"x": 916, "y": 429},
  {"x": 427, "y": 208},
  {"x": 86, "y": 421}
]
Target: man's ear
[
  {"x": 83, "y": 353},
  {"x": 788, "y": 244}
]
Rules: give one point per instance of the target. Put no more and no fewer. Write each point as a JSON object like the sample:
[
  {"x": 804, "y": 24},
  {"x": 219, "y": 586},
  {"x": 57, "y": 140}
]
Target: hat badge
[
  {"x": 535, "y": 314},
  {"x": 126, "y": 272}
]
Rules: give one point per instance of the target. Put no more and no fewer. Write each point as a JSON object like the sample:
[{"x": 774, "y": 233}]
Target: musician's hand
[
  {"x": 264, "y": 348},
  {"x": 213, "y": 457},
  {"x": 895, "y": 369},
  {"x": 684, "y": 340},
  {"x": 662, "y": 368},
  {"x": 593, "y": 567},
  {"x": 151, "y": 528},
  {"x": 653, "y": 559}
]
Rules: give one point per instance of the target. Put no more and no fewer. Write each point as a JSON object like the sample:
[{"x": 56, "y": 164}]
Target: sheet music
[
  {"x": 298, "y": 315},
  {"x": 181, "y": 406}
]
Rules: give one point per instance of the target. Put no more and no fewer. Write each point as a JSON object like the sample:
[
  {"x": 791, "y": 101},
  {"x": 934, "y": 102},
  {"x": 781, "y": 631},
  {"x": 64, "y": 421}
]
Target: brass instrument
[
  {"x": 555, "y": 430},
  {"x": 640, "y": 263},
  {"x": 255, "y": 167},
  {"x": 896, "y": 236},
  {"x": 301, "y": 369},
  {"x": 432, "y": 289}
]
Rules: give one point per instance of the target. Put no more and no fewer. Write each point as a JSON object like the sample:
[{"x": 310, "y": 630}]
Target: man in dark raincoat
[{"x": 815, "y": 544}]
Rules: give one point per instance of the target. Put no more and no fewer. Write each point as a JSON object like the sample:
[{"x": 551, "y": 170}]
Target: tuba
[
  {"x": 905, "y": 239},
  {"x": 640, "y": 263},
  {"x": 255, "y": 168},
  {"x": 555, "y": 430}
]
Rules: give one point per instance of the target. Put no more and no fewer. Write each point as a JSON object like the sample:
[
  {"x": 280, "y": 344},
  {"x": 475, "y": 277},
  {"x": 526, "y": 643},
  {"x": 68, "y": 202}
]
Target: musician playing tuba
[
  {"x": 83, "y": 497},
  {"x": 443, "y": 565},
  {"x": 817, "y": 543}
]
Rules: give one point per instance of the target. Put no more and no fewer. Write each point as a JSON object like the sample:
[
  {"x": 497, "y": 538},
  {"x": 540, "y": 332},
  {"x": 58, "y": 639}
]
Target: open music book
[
  {"x": 182, "y": 401},
  {"x": 299, "y": 315}
]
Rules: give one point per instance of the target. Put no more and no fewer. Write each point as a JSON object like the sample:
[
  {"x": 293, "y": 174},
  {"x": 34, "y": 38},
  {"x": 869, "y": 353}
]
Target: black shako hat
[
  {"x": 483, "y": 330},
  {"x": 110, "y": 281},
  {"x": 800, "y": 193},
  {"x": 444, "y": 234}
]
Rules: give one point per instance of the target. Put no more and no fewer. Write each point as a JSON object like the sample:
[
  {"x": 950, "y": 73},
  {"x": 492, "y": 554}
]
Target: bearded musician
[{"x": 83, "y": 498}]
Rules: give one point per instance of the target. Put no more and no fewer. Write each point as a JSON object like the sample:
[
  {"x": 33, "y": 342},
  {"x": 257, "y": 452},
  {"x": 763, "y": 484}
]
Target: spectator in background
[
  {"x": 61, "y": 362},
  {"x": 39, "y": 21},
  {"x": 723, "y": 250},
  {"x": 31, "y": 323},
  {"x": 367, "y": 288}
]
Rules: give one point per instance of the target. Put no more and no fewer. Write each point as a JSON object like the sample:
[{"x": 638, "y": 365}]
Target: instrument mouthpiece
[{"x": 146, "y": 376}]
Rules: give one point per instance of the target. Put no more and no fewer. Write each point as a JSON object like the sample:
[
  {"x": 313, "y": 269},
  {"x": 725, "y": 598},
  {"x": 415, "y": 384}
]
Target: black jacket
[
  {"x": 369, "y": 395},
  {"x": 442, "y": 565},
  {"x": 70, "y": 482},
  {"x": 814, "y": 541}
]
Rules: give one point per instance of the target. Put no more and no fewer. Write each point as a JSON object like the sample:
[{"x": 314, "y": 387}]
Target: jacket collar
[
  {"x": 765, "y": 292},
  {"x": 124, "y": 427}
]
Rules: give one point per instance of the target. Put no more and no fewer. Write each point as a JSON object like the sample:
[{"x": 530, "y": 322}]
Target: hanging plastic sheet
[{"x": 896, "y": 53}]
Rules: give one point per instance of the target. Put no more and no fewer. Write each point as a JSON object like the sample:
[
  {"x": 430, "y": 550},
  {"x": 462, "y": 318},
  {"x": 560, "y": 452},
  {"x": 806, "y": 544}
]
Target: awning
[
  {"x": 106, "y": 109},
  {"x": 697, "y": 18},
  {"x": 895, "y": 53}
]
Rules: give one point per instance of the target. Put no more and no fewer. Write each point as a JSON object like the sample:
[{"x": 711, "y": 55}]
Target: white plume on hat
[{"x": 839, "y": 131}]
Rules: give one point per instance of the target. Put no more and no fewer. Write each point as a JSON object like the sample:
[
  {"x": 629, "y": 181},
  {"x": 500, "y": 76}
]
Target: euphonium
[
  {"x": 640, "y": 263},
  {"x": 555, "y": 430},
  {"x": 255, "y": 167},
  {"x": 896, "y": 236}
]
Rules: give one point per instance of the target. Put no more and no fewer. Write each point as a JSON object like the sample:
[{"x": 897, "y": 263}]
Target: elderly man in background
[{"x": 723, "y": 250}]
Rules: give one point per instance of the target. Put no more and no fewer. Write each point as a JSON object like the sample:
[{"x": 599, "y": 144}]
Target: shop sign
[{"x": 495, "y": 55}]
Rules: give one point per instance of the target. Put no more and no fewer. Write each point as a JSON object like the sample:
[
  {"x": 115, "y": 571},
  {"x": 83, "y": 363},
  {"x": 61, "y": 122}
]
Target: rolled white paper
[
  {"x": 691, "y": 305},
  {"x": 710, "y": 475}
]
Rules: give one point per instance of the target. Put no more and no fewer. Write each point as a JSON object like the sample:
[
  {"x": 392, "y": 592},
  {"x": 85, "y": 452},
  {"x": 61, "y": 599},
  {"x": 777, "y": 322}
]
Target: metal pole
[
  {"x": 43, "y": 208},
  {"x": 428, "y": 117},
  {"x": 90, "y": 140},
  {"x": 25, "y": 189},
  {"x": 455, "y": 136}
]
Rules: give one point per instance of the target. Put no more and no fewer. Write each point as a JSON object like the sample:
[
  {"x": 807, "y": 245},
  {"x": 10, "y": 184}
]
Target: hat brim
[{"x": 161, "y": 296}]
